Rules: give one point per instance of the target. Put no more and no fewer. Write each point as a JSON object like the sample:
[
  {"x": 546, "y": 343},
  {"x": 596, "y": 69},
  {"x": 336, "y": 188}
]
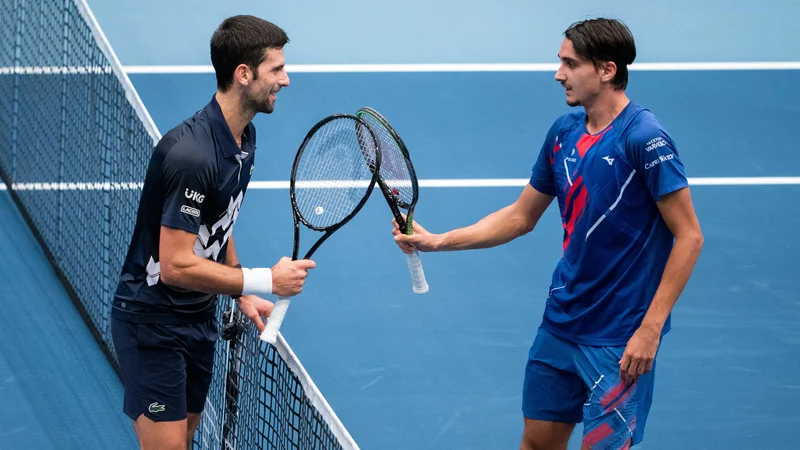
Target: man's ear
[
  {"x": 608, "y": 71},
  {"x": 242, "y": 74}
]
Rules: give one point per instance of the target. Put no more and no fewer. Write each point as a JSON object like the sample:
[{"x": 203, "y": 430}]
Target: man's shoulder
[
  {"x": 642, "y": 126},
  {"x": 568, "y": 122},
  {"x": 189, "y": 142}
]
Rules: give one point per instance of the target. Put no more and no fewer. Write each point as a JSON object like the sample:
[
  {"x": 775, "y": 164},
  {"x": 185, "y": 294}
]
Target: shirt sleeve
[
  {"x": 187, "y": 178},
  {"x": 542, "y": 174},
  {"x": 653, "y": 154}
]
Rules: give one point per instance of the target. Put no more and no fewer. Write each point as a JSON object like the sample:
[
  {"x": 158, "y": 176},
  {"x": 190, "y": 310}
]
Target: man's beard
[{"x": 255, "y": 105}]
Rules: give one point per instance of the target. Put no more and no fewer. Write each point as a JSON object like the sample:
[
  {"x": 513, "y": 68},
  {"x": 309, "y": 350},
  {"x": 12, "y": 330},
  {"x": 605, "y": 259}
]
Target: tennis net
[{"x": 75, "y": 141}]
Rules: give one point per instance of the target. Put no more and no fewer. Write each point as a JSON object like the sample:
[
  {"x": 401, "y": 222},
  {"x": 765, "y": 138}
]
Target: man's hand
[
  {"x": 288, "y": 277},
  {"x": 255, "y": 308},
  {"x": 421, "y": 239},
  {"x": 639, "y": 354}
]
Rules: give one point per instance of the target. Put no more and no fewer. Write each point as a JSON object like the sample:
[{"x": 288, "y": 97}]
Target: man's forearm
[
  {"x": 202, "y": 275},
  {"x": 498, "y": 228},
  {"x": 231, "y": 259},
  {"x": 681, "y": 263}
]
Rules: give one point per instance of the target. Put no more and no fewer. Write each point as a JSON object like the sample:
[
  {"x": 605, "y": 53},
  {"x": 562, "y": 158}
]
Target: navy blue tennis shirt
[{"x": 196, "y": 181}]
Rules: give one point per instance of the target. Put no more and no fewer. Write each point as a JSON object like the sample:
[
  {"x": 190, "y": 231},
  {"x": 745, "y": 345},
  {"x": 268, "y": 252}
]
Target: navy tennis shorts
[{"x": 166, "y": 369}]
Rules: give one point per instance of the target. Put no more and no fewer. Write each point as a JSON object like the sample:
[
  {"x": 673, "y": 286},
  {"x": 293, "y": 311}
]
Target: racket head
[
  {"x": 398, "y": 180},
  {"x": 334, "y": 172}
]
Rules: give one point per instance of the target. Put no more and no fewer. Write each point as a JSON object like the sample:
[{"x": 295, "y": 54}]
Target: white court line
[
  {"x": 431, "y": 183},
  {"x": 55, "y": 70},
  {"x": 520, "y": 67},
  {"x": 385, "y": 68},
  {"x": 743, "y": 181},
  {"x": 78, "y": 186},
  {"x": 706, "y": 181}
]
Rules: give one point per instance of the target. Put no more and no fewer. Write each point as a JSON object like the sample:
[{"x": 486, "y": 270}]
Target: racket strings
[
  {"x": 394, "y": 169},
  {"x": 333, "y": 174}
]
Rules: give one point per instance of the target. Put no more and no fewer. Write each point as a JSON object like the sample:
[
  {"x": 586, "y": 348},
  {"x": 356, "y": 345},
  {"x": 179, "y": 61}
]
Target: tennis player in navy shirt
[
  {"x": 630, "y": 243},
  {"x": 182, "y": 253}
]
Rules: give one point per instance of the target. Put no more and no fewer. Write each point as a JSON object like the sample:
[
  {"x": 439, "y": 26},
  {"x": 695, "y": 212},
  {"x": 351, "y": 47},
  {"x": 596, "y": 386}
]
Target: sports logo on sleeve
[
  {"x": 194, "y": 196},
  {"x": 186, "y": 209},
  {"x": 659, "y": 160},
  {"x": 655, "y": 143}
]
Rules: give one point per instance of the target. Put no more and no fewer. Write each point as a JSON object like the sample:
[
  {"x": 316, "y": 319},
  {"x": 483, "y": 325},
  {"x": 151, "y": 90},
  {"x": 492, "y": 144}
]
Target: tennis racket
[
  {"x": 398, "y": 182},
  {"x": 333, "y": 175}
]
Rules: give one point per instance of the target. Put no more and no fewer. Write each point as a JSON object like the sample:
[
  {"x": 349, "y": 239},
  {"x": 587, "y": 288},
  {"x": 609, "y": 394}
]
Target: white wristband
[{"x": 257, "y": 281}]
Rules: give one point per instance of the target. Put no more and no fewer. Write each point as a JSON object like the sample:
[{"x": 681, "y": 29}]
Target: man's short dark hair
[
  {"x": 602, "y": 40},
  {"x": 242, "y": 40}
]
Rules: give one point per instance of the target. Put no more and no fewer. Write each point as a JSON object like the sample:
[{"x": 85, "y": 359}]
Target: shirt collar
[{"x": 221, "y": 130}]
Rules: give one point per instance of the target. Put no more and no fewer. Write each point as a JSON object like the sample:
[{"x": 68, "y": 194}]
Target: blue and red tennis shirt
[{"x": 616, "y": 243}]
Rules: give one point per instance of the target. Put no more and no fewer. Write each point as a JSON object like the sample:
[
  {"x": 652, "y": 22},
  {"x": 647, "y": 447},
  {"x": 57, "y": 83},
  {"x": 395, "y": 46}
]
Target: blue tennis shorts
[
  {"x": 166, "y": 369},
  {"x": 572, "y": 383}
]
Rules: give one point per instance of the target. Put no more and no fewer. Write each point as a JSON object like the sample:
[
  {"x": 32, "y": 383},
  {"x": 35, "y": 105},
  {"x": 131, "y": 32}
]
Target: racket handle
[
  {"x": 270, "y": 333},
  {"x": 417, "y": 274}
]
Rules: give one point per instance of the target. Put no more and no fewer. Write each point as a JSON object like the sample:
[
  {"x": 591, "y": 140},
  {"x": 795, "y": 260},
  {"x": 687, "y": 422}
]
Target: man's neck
[
  {"x": 235, "y": 115},
  {"x": 604, "y": 110}
]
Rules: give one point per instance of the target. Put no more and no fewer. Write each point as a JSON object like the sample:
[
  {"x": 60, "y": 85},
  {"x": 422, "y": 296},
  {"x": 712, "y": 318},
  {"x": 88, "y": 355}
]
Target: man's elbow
[
  {"x": 699, "y": 240},
  {"x": 169, "y": 274},
  {"x": 694, "y": 239},
  {"x": 526, "y": 224},
  {"x": 172, "y": 273},
  {"x": 527, "y": 227}
]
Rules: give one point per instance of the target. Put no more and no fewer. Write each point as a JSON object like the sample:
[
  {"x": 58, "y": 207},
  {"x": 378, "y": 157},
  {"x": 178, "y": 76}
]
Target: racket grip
[
  {"x": 420, "y": 285},
  {"x": 270, "y": 333}
]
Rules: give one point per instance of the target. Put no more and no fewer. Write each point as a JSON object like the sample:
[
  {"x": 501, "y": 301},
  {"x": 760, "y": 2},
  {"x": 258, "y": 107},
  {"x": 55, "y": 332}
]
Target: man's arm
[
  {"x": 678, "y": 212},
  {"x": 679, "y": 215},
  {"x": 497, "y": 228},
  {"x": 231, "y": 259},
  {"x": 181, "y": 267},
  {"x": 252, "y": 306}
]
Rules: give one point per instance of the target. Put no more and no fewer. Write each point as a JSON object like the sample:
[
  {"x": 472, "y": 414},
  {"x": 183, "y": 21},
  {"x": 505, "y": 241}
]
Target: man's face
[
  {"x": 580, "y": 77},
  {"x": 269, "y": 78}
]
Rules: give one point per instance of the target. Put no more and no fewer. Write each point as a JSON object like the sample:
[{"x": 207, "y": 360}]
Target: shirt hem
[
  {"x": 581, "y": 340},
  {"x": 672, "y": 188},
  {"x": 160, "y": 318}
]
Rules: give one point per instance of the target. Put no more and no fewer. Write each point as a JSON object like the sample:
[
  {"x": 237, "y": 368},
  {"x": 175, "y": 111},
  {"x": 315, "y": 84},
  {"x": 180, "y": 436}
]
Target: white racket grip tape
[
  {"x": 270, "y": 333},
  {"x": 417, "y": 274}
]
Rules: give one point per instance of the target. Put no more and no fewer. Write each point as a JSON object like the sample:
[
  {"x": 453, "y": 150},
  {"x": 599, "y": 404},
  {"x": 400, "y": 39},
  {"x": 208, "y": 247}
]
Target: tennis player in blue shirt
[{"x": 631, "y": 240}]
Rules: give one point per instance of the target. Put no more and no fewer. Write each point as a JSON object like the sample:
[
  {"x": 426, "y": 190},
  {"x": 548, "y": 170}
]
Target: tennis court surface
[{"x": 393, "y": 370}]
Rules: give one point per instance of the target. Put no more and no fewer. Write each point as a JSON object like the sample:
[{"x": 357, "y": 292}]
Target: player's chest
[
  {"x": 235, "y": 174},
  {"x": 584, "y": 158}
]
